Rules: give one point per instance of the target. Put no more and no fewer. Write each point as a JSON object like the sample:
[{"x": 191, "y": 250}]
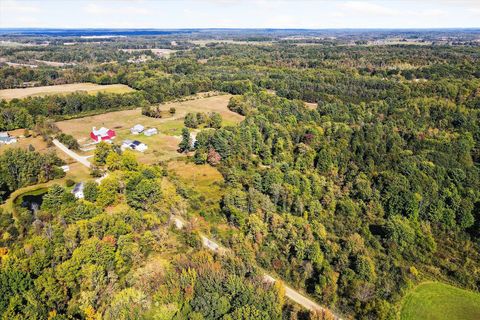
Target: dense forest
[
  {"x": 354, "y": 176},
  {"x": 350, "y": 201}
]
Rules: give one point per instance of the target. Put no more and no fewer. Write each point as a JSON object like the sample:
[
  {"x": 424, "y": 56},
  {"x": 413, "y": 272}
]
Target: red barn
[{"x": 102, "y": 134}]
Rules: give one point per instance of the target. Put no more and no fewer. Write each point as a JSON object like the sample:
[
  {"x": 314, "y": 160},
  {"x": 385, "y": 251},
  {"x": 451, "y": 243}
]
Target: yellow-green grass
[
  {"x": 439, "y": 301},
  {"x": 162, "y": 146},
  {"x": 91, "y": 88},
  {"x": 203, "y": 178},
  {"x": 206, "y": 182}
]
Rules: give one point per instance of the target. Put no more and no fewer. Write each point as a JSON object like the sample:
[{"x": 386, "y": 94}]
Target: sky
[{"x": 314, "y": 14}]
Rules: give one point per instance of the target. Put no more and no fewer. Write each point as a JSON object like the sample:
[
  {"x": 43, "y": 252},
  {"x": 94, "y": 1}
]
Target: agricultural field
[
  {"x": 162, "y": 146},
  {"x": 91, "y": 88},
  {"x": 158, "y": 52},
  {"x": 205, "y": 42},
  {"x": 23, "y": 142},
  {"x": 37, "y": 143},
  {"x": 439, "y": 301}
]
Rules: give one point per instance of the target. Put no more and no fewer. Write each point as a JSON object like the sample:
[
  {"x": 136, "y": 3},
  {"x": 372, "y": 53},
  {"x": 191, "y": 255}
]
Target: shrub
[
  {"x": 69, "y": 183},
  {"x": 69, "y": 141}
]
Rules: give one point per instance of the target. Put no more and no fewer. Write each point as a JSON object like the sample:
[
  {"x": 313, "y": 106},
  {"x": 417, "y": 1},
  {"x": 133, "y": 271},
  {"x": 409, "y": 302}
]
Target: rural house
[
  {"x": 5, "y": 138},
  {"x": 137, "y": 129},
  {"x": 78, "y": 190},
  {"x": 134, "y": 145},
  {"x": 150, "y": 132},
  {"x": 102, "y": 134}
]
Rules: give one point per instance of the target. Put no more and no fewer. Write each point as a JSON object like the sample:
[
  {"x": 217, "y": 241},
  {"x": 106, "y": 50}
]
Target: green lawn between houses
[{"x": 438, "y": 301}]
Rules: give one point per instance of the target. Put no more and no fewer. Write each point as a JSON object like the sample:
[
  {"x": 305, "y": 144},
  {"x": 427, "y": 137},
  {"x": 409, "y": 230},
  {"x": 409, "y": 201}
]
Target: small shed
[
  {"x": 137, "y": 129},
  {"x": 150, "y": 132}
]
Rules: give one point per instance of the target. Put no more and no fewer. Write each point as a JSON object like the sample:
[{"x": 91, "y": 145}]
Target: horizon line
[{"x": 239, "y": 28}]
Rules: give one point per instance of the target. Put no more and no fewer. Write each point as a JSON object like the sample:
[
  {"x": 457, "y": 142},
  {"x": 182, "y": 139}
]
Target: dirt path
[
  {"x": 72, "y": 154},
  {"x": 289, "y": 292}
]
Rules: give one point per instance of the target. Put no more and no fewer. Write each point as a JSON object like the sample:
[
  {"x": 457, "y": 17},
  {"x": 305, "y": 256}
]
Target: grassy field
[
  {"x": 91, "y": 88},
  {"x": 438, "y": 301},
  {"x": 36, "y": 142},
  {"x": 204, "y": 178},
  {"x": 206, "y": 183},
  {"x": 162, "y": 146}
]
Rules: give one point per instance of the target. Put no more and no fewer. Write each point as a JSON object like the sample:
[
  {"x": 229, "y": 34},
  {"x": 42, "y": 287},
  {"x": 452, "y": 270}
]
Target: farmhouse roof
[
  {"x": 78, "y": 187},
  {"x": 127, "y": 142},
  {"x": 102, "y": 133},
  {"x": 138, "y": 128}
]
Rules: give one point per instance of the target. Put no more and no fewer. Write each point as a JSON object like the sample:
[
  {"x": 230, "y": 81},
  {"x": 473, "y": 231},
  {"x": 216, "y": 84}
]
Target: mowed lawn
[
  {"x": 162, "y": 146},
  {"x": 439, "y": 301},
  {"x": 91, "y": 88}
]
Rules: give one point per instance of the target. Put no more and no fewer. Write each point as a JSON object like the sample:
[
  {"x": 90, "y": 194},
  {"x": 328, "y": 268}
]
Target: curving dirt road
[
  {"x": 214, "y": 246},
  {"x": 289, "y": 292}
]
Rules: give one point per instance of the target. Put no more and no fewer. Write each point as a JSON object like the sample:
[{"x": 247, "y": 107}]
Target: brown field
[
  {"x": 158, "y": 52},
  {"x": 91, "y": 88},
  {"x": 162, "y": 146},
  {"x": 203, "y": 43},
  {"x": 36, "y": 142}
]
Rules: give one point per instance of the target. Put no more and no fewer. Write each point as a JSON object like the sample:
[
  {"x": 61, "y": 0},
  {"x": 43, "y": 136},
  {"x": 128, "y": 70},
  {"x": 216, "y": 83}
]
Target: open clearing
[
  {"x": 204, "y": 178},
  {"x": 438, "y": 301},
  {"x": 91, "y": 88},
  {"x": 203, "y": 43},
  {"x": 158, "y": 52},
  {"x": 37, "y": 142},
  {"x": 162, "y": 146},
  {"x": 24, "y": 143}
]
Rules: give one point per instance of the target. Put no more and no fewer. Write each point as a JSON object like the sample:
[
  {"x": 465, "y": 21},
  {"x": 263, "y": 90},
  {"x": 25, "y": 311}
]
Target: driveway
[{"x": 72, "y": 154}]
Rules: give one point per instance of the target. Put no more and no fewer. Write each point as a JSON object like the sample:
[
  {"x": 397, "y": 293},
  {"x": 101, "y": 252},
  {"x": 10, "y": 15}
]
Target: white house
[
  {"x": 78, "y": 190},
  {"x": 134, "y": 145},
  {"x": 193, "y": 136},
  {"x": 150, "y": 132},
  {"x": 137, "y": 129},
  {"x": 6, "y": 139},
  {"x": 65, "y": 168}
]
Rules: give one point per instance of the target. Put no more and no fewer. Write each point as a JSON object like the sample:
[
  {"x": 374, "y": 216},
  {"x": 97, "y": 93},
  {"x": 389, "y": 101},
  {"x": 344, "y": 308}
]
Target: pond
[{"x": 31, "y": 200}]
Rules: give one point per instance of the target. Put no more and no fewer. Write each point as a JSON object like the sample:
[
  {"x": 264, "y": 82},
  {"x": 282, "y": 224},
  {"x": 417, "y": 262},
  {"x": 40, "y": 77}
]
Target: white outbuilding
[
  {"x": 150, "y": 132},
  {"x": 137, "y": 129}
]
